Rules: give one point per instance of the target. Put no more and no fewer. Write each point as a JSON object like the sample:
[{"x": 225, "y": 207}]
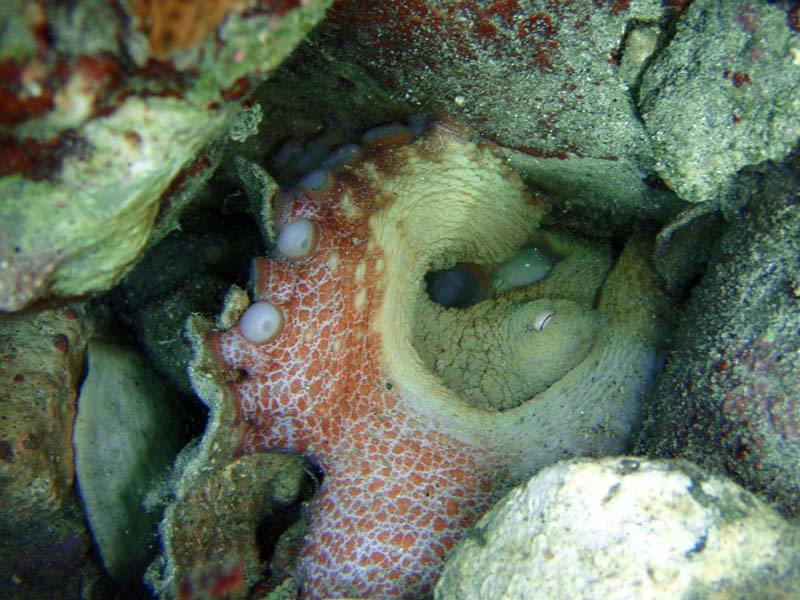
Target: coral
[{"x": 408, "y": 463}]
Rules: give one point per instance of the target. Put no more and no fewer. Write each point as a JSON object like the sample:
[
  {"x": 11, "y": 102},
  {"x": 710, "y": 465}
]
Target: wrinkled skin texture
[{"x": 408, "y": 465}]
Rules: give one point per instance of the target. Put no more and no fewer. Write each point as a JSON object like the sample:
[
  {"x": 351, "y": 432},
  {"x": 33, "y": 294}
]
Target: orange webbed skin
[{"x": 397, "y": 493}]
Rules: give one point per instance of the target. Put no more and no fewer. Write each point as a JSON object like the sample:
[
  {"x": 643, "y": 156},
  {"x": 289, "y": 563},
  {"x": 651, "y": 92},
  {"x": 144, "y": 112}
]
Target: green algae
[{"x": 79, "y": 230}]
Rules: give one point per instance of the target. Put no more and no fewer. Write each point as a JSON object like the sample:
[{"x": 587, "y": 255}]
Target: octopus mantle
[{"x": 356, "y": 378}]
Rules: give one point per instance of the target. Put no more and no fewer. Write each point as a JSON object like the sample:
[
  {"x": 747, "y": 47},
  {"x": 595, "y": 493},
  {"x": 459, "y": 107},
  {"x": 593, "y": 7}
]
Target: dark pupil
[{"x": 458, "y": 287}]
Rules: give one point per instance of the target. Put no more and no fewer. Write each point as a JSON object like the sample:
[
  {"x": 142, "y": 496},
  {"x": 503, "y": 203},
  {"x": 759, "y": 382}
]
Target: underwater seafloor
[{"x": 532, "y": 255}]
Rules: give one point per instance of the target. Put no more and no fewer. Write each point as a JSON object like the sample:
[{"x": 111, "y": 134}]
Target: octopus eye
[{"x": 459, "y": 287}]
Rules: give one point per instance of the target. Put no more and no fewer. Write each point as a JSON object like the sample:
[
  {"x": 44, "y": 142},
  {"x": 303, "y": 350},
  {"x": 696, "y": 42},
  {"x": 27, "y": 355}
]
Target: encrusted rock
[
  {"x": 724, "y": 94},
  {"x": 101, "y": 143},
  {"x": 541, "y": 78},
  {"x": 730, "y": 396},
  {"x": 43, "y": 541}
]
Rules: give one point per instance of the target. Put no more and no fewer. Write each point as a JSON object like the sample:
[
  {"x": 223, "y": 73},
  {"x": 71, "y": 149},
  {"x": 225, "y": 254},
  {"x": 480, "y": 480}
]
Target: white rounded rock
[{"x": 626, "y": 528}]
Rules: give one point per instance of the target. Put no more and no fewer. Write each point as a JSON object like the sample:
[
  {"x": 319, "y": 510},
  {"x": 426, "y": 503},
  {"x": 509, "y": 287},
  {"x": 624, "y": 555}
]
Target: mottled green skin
[
  {"x": 730, "y": 396},
  {"x": 492, "y": 353}
]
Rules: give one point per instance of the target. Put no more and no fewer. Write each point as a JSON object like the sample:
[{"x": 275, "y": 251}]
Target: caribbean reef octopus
[{"x": 426, "y": 343}]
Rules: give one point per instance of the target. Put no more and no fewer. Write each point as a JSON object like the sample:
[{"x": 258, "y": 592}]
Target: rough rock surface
[
  {"x": 208, "y": 533},
  {"x": 43, "y": 541},
  {"x": 555, "y": 82},
  {"x": 535, "y": 76},
  {"x": 730, "y": 395},
  {"x": 724, "y": 94},
  {"x": 626, "y": 528}
]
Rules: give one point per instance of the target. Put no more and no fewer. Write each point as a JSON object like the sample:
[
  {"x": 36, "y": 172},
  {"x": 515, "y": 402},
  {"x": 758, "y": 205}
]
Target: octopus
[{"x": 427, "y": 343}]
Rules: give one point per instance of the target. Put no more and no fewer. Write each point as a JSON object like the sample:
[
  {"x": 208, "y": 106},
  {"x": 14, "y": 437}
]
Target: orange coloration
[
  {"x": 61, "y": 342},
  {"x": 389, "y": 136},
  {"x": 178, "y": 25},
  {"x": 394, "y": 485},
  {"x": 212, "y": 581}
]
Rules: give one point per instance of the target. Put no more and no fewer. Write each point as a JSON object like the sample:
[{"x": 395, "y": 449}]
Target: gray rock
[
  {"x": 626, "y": 528},
  {"x": 44, "y": 545},
  {"x": 724, "y": 94},
  {"x": 730, "y": 395},
  {"x": 554, "y": 82},
  {"x": 126, "y": 436}
]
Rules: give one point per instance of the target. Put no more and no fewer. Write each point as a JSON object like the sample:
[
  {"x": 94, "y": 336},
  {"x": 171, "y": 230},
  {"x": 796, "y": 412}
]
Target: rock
[
  {"x": 555, "y": 82},
  {"x": 560, "y": 93},
  {"x": 104, "y": 145},
  {"x": 724, "y": 94},
  {"x": 626, "y": 528},
  {"x": 209, "y": 534},
  {"x": 730, "y": 395},
  {"x": 127, "y": 433},
  {"x": 43, "y": 541}
]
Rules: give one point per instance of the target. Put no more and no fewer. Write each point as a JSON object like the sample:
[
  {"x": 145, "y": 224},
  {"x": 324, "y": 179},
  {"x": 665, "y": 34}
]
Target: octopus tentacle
[{"x": 419, "y": 415}]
